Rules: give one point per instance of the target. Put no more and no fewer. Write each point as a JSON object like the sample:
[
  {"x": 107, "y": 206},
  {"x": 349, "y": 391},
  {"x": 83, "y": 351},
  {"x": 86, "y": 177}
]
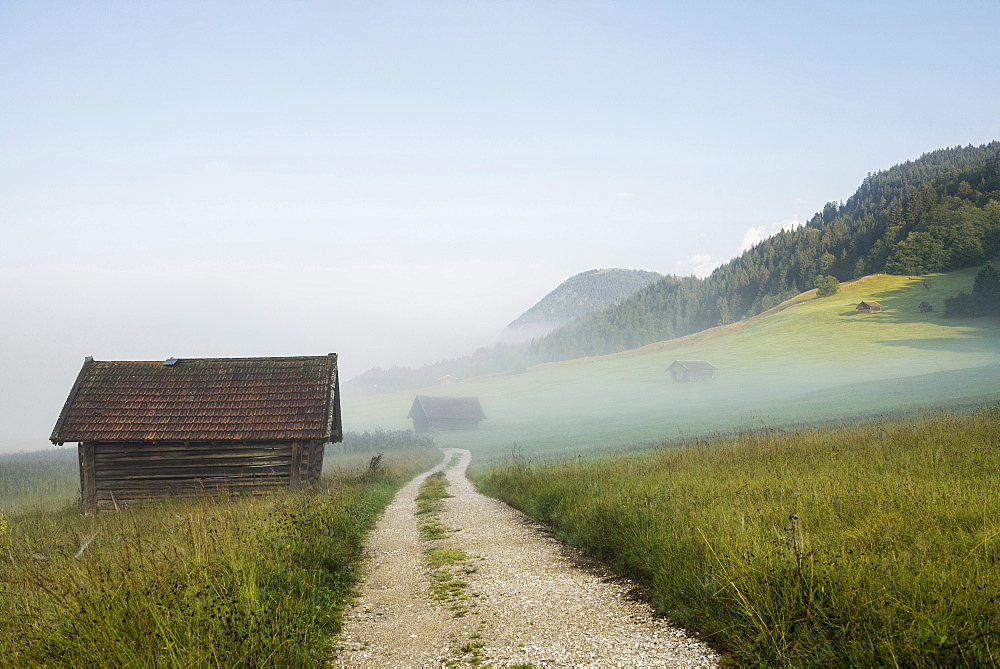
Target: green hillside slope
[
  {"x": 807, "y": 360},
  {"x": 938, "y": 213}
]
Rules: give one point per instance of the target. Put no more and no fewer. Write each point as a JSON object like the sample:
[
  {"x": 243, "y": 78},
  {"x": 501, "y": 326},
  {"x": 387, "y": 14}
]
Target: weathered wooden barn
[
  {"x": 181, "y": 426},
  {"x": 869, "y": 307},
  {"x": 691, "y": 370},
  {"x": 926, "y": 307},
  {"x": 432, "y": 414}
]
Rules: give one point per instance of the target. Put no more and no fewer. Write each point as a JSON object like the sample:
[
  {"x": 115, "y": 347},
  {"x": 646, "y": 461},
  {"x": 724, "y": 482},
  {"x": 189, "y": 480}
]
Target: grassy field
[
  {"x": 837, "y": 545},
  {"x": 808, "y": 361},
  {"x": 871, "y": 545},
  {"x": 43, "y": 480},
  {"x": 197, "y": 582}
]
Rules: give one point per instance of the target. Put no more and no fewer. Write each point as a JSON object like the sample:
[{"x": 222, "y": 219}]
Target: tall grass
[
  {"x": 877, "y": 544},
  {"x": 46, "y": 478},
  {"x": 202, "y": 582},
  {"x": 373, "y": 441}
]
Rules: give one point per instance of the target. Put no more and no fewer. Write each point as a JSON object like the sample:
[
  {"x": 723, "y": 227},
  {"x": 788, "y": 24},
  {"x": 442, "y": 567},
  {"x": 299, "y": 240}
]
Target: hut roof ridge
[
  {"x": 694, "y": 364},
  {"x": 203, "y": 399}
]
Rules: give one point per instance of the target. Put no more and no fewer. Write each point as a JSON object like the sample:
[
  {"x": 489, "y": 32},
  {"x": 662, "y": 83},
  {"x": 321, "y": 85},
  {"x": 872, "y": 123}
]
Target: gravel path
[{"x": 529, "y": 598}]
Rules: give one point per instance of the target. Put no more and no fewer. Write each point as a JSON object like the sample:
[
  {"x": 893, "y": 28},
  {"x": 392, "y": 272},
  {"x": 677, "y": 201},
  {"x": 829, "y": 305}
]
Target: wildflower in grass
[{"x": 4, "y": 532}]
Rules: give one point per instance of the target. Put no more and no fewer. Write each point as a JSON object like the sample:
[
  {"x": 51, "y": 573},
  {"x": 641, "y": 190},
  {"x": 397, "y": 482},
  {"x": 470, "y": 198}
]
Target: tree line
[{"x": 938, "y": 213}]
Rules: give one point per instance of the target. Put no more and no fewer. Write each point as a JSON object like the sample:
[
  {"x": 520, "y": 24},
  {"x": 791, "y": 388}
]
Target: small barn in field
[
  {"x": 691, "y": 370},
  {"x": 431, "y": 414},
  {"x": 181, "y": 426},
  {"x": 926, "y": 307},
  {"x": 869, "y": 307}
]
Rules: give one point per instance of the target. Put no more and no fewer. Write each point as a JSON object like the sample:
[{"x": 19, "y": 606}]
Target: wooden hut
[
  {"x": 181, "y": 426},
  {"x": 926, "y": 307},
  {"x": 869, "y": 307},
  {"x": 691, "y": 370},
  {"x": 432, "y": 414}
]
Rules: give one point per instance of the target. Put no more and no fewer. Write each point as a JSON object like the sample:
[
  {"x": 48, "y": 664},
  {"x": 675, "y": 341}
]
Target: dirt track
[{"x": 529, "y": 599}]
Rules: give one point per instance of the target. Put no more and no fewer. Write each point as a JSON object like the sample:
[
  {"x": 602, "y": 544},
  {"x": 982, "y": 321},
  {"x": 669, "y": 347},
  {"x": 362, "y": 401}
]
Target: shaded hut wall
[
  {"x": 317, "y": 451},
  {"x": 420, "y": 423},
  {"x": 682, "y": 374},
  {"x": 424, "y": 424},
  {"x": 442, "y": 424},
  {"x": 308, "y": 462},
  {"x": 117, "y": 473}
]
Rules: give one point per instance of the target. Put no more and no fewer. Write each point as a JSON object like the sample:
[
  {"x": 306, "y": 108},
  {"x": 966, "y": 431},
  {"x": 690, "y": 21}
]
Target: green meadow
[
  {"x": 875, "y": 544},
  {"x": 829, "y": 498},
  {"x": 808, "y": 361},
  {"x": 45, "y": 480},
  {"x": 197, "y": 582}
]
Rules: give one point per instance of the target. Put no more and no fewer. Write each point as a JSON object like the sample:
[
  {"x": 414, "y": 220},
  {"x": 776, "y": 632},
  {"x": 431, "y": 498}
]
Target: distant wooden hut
[
  {"x": 869, "y": 307},
  {"x": 691, "y": 370},
  {"x": 178, "y": 427},
  {"x": 926, "y": 307},
  {"x": 431, "y": 414}
]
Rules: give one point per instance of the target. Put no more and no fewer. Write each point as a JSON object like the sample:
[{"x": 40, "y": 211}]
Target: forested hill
[
  {"x": 937, "y": 213},
  {"x": 576, "y": 296}
]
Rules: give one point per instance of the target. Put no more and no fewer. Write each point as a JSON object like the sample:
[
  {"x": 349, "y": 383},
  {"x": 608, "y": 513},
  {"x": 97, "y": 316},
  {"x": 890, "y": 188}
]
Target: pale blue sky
[{"x": 396, "y": 181}]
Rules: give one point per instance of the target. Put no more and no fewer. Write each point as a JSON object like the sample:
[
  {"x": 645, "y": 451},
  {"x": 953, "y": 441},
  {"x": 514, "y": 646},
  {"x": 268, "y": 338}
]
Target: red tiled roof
[
  {"x": 204, "y": 399},
  {"x": 465, "y": 408}
]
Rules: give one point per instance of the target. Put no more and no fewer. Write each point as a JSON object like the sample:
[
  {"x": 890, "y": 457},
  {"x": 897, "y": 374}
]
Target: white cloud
[
  {"x": 700, "y": 265},
  {"x": 761, "y": 232}
]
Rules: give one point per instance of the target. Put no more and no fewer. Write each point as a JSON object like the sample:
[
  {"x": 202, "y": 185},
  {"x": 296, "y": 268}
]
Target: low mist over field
[
  {"x": 396, "y": 182},
  {"x": 809, "y": 361}
]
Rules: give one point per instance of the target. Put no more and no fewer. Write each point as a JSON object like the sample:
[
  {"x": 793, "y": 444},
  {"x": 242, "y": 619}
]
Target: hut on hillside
[
  {"x": 691, "y": 370},
  {"x": 926, "y": 307},
  {"x": 432, "y": 414},
  {"x": 181, "y": 426},
  {"x": 869, "y": 307}
]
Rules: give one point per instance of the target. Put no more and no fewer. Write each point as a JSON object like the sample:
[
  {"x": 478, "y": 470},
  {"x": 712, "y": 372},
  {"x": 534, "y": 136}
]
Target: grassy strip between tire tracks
[
  {"x": 207, "y": 582},
  {"x": 447, "y": 567},
  {"x": 871, "y": 545}
]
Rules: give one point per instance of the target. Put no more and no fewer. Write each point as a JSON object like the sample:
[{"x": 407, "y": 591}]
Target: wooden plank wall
[
  {"x": 114, "y": 474},
  {"x": 314, "y": 463},
  {"x": 446, "y": 424}
]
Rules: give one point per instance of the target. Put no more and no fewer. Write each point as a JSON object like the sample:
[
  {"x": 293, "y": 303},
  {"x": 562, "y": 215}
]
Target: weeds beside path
[
  {"x": 865, "y": 545},
  {"x": 198, "y": 582},
  {"x": 394, "y": 622},
  {"x": 526, "y": 598}
]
